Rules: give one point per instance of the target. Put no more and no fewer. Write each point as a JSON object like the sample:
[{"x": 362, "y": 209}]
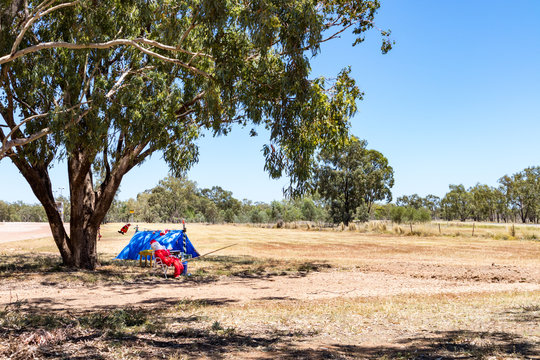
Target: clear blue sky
[{"x": 457, "y": 101}]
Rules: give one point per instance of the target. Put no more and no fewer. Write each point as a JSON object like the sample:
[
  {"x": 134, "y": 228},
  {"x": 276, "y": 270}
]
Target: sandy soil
[
  {"x": 15, "y": 231},
  {"x": 239, "y": 290}
]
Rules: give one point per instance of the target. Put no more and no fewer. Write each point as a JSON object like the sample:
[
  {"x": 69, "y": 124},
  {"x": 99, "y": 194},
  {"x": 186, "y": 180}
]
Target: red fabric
[
  {"x": 124, "y": 228},
  {"x": 165, "y": 256}
]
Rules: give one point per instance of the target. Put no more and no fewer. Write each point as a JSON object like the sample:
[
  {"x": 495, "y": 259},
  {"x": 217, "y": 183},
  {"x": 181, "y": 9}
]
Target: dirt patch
[
  {"x": 463, "y": 273},
  {"x": 313, "y": 286},
  {"x": 16, "y": 231},
  {"x": 279, "y": 293}
]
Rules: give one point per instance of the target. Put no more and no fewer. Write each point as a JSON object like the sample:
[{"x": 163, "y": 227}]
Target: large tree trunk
[
  {"x": 39, "y": 181},
  {"x": 88, "y": 207},
  {"x": 83, "y": 234}
]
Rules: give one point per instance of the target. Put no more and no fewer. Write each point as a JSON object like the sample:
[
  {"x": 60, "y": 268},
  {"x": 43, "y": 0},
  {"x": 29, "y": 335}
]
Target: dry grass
[
  {"x": 380, "y": 319},
  {"x": 473, "y": 326},
  {"x": 489, "y": 325}
]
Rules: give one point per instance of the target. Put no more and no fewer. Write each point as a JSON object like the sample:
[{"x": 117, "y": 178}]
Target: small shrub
[
  {"x": 115, "y": 320},
  {"x": 501, "y": 237},
  {"x": 352, "y": 227}
]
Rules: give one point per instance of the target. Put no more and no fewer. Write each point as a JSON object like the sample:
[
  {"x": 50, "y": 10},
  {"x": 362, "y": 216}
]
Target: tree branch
[
  {"x": 8, "y": 145},
  {"x": 105, "y": 45},
  {"x": 36, "y": 16},
  {"x": 118, "y": 85}
]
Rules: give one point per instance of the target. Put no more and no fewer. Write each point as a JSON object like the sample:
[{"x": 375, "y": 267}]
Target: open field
[{"x": 286, "y": 293}]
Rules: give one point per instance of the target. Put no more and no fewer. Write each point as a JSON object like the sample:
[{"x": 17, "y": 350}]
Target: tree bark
[
  {"x": 39, "y": 181},
  {"x": 88, "y": 208}
]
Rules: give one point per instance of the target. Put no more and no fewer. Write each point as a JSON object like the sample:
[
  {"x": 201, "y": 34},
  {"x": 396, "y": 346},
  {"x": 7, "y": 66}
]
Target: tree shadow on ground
[
  {"x": 460, "y": 344},
  {"x": 25, "y": 263},
  {"x": 524, "y": 314},
  {"x": 124, "y": 272},
  {"x": 139, "y": 333}
]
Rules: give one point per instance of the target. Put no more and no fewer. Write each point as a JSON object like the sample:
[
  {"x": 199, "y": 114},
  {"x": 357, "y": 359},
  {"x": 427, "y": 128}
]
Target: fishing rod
[{"x": 208, "y": 253}]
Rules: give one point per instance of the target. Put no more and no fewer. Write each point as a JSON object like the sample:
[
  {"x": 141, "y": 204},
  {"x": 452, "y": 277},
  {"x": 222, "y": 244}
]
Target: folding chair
[{"x": 164, "y": 267}]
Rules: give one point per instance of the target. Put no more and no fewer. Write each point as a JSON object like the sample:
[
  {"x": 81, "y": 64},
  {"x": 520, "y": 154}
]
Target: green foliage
[
  {"x": 231, "y": 63},
  {"x": 18, "y": 211},
  {"x": 174, "y": 199},
  {"x": 362, "y": 213},
  {"x": 522, "y": 192},
  {"x": 382, "y": 211},
  {"x": 456, "y": 204},
  {"x": 484, "y": 202},
  {"x": 352, "y": 177},
  {"x": 409, "y": 214},
  {"x": 430, "y": 202}
]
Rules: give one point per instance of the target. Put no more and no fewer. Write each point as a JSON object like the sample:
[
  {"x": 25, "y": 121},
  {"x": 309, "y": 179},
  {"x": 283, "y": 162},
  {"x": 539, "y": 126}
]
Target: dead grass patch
[{"x": 464, "y": 325}]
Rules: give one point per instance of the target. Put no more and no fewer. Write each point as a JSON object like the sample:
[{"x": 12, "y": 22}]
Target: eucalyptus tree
[
  {"x": 483, "y": 202},
  {"x": 222, "y": 198},
  {"x": 105, "y": 84},
  {"x": 522, "y": 191},
  {"x": 456, "y": 204},
  {"x": 352, "y": 177},
  {"x": 430, "y": 202},
  {"x": 413, "y": 200}
]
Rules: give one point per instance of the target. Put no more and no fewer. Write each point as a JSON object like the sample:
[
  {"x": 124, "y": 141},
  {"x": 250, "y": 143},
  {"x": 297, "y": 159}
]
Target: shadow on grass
[
  {"x": 177, "y": 329},
  {"x": 204, "y": 271},
  {"x": 25, "y": 263},
  {"x": 141, "y": 335},
  {"x": 525, "y": 314},
  {"x": 260, "y": 268},
  {"x": 461, "y": 344}
]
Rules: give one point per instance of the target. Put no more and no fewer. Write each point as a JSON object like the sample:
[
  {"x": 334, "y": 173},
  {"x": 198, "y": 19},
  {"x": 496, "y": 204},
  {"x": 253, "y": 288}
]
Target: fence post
[{"x": 472, "y": 229}]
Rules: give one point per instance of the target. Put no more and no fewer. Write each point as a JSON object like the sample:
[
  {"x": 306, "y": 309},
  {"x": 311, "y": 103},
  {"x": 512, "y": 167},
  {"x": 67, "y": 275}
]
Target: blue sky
[{"x": 457, "y": 101}]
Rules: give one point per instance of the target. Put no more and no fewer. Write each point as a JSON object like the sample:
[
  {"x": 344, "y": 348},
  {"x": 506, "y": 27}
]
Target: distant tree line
[
  {"x": 516, "y": 199},
  {"x": 18, "y": 211},
  {"x": 174, "y": 199}
]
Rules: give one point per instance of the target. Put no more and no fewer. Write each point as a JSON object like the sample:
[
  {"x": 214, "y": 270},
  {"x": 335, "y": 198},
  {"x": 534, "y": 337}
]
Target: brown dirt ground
[
  {"x": 451, "y": 272},
  {"x": 372, "y": 275},
  {"x": 323, "y": 285}
]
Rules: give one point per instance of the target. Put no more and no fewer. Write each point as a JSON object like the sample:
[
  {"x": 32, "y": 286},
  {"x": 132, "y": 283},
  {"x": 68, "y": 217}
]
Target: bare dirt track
[
  {"x": 15, "y": 231},
  {"x": 314, "y": 286}
]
